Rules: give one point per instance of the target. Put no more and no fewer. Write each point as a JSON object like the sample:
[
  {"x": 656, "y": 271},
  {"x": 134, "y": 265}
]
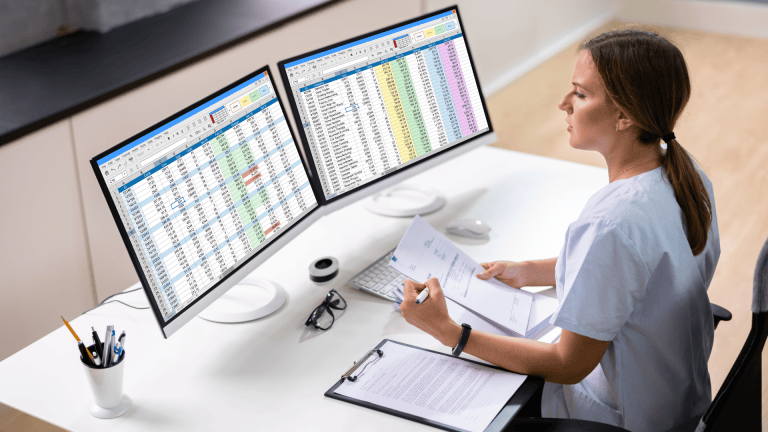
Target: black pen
[{"x": 96, "y": 340}]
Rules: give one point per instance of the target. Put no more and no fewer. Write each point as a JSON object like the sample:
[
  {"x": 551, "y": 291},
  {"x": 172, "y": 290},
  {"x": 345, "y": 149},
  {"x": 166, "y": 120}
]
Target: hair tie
[{"x": 668, "y": 137}]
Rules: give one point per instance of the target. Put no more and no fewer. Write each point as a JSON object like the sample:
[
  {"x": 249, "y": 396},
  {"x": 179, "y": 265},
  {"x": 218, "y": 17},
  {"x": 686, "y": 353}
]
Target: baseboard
[
  {"x": 730, "y": 17},
  {"x": 547, "y": 52}
]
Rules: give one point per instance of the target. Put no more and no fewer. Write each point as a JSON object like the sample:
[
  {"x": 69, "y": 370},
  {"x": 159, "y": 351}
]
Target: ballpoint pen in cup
[{"x": 83, "y": 350}]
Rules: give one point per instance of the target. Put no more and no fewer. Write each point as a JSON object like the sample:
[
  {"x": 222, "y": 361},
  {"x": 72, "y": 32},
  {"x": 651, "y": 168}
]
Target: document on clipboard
[
  {"x": 428, "y": 387},
  {"x": 424, "y": 253}
]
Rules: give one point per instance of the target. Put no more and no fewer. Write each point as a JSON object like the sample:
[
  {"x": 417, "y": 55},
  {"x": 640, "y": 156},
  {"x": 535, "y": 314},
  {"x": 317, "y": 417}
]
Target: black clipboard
[{"x": 504, "y": 417}]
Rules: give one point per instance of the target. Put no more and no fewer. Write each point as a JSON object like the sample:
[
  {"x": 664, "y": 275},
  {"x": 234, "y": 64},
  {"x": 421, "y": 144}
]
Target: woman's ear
[{"x": 623, "y": 121}]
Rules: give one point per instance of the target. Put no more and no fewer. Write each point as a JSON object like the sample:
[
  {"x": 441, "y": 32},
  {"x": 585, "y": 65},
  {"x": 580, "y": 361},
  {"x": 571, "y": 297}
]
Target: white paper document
[
  {"x": 433, "y": 386},
  {"x": 424, "y": 253}
]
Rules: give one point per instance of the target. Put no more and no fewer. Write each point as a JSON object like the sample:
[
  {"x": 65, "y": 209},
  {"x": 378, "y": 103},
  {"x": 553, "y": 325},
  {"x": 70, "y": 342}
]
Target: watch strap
[{"x": 465, "y": 329}]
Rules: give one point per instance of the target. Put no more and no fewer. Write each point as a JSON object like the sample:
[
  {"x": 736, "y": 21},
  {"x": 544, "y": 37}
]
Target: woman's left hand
[{"x": 431, "y": 315}]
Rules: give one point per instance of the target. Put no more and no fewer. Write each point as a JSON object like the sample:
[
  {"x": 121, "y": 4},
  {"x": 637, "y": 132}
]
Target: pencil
[{"x": 78, "y": 340}]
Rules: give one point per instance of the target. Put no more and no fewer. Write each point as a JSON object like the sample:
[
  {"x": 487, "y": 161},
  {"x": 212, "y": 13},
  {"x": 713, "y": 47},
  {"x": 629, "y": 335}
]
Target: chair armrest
[{"x": 720, "y": 313}]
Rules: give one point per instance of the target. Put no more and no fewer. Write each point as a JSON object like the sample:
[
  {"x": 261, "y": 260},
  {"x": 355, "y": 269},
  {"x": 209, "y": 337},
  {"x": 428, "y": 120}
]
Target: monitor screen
[
  {"x": 201, "y": 193},
  {"x": 371, "y": 106}
]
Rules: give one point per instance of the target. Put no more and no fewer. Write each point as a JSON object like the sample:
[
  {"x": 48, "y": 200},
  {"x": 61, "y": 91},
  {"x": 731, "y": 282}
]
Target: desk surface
[{"x": 272, "y": 373}]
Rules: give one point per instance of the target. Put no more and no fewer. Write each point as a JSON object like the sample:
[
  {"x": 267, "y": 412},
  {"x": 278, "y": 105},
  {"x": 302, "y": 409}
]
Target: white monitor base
[
  {"x": 251, "y": 299},
  {"x": 406, "y": 200}
]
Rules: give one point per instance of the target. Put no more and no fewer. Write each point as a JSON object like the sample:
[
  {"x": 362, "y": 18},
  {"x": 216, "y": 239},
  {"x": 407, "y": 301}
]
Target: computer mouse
[{"x": 472, "y": 228}]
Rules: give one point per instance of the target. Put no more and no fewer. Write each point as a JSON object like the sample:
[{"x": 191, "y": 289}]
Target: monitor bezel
[
  {"x": 170, "y": 326},
  {"x": 384, "y": 181}
]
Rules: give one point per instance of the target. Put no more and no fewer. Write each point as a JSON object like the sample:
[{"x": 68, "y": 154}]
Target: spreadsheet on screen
[
  {"x": 204, "y": 192},
  {"x": 376, "y": 105}
]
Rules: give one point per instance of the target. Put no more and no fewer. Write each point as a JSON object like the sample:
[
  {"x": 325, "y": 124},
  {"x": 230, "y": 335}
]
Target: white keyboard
[{"x": 379, "y": 278}]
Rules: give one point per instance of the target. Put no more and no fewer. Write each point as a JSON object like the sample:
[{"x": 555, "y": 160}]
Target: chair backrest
[{"x": 738, "y": 402}]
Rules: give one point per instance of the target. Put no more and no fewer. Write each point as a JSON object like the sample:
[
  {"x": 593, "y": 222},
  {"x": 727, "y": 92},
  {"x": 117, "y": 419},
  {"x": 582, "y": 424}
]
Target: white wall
[
  {"x": 44, "y": 263},
  {"x": 731, "y": 17}
]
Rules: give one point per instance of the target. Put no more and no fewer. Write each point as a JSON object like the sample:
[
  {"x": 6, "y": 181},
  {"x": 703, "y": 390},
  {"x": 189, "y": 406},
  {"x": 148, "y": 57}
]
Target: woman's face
[{"x": 592, "y": 117}]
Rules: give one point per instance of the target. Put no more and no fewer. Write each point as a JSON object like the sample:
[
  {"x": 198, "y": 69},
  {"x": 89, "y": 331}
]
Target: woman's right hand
[{"x": 511, "y": 273}]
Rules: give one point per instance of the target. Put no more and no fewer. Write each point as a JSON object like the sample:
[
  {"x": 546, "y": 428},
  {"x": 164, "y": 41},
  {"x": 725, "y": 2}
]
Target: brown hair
[{"x": 646, "y": 76}]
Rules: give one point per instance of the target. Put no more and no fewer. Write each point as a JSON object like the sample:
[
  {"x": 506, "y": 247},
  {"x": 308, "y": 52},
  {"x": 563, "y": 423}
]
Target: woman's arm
[
  {"x": 568, "y": 361},
  {"x": 520, "y": 274}
]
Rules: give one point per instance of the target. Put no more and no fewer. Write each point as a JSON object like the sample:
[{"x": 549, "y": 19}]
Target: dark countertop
[{"x": 56, "y": 79}]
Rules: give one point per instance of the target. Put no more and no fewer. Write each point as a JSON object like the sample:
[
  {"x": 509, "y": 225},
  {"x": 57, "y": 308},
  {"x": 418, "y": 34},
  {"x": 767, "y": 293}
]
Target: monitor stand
[
  {"x": 251, "y": 299},
  {"x": 406, "y": 200}
]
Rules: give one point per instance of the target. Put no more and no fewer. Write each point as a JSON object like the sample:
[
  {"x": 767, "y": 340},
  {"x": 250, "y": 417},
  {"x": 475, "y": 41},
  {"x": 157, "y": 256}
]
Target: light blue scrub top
[{"x": 626, "y": 274}]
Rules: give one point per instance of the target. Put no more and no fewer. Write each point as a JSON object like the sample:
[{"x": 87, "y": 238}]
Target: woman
[{"x": 633, "y": 273}]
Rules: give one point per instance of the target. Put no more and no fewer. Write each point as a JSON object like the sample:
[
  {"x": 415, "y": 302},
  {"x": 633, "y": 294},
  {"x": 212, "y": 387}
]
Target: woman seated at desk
[{"x": 633, "y": 273}]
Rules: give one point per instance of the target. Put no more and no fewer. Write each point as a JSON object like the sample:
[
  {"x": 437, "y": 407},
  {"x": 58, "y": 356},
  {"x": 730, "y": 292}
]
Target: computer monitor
[
  {"x": 206, "y": 195},
  {"x": 381, "y": 107}
]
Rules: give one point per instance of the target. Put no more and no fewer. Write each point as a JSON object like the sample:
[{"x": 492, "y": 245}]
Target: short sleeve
[{"x": 603, "y": 278}]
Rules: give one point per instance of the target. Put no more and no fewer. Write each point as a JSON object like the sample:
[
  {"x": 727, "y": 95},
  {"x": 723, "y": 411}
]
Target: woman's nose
[{"x": 564, "y": 105}]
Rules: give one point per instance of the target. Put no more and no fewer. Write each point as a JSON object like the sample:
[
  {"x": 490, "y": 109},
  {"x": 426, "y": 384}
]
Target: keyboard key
[{"x": 378, "y": 286}]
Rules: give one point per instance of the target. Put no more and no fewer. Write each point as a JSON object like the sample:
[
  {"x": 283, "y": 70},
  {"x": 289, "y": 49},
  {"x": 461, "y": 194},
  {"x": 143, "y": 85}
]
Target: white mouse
[{"x": 471, "y": 228}]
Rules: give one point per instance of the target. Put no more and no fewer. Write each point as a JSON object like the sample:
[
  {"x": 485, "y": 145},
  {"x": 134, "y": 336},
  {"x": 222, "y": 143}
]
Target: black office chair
[
  {"x": 737, "y": 405},
  {"x": 738, "y": 402}
]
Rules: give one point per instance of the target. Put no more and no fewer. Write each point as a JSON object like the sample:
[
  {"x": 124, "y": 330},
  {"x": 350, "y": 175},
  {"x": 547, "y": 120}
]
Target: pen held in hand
[{"x": 422, "y": 296}]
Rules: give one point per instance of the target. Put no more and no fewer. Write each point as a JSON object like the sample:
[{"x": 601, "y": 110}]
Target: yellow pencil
[{"x": 78, "y": 340}]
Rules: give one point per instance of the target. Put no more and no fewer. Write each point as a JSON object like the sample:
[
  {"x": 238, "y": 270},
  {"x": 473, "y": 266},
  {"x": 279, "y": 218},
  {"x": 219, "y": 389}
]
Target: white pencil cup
[{"x": 107, "y": 389}]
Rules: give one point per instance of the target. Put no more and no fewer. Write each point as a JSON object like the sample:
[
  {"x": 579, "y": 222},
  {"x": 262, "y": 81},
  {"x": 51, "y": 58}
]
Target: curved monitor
[
  {"x": 381, "y": 107},
  {"x": 206, "y": 195}
]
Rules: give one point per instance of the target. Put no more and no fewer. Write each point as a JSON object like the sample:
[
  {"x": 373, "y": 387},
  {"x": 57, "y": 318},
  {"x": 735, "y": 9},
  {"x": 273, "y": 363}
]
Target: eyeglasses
[{"x": 322, "y": 320}]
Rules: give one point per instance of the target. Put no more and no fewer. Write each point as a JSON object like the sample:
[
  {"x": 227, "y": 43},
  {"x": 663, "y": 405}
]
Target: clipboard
[{"x": 514, "y": 405}]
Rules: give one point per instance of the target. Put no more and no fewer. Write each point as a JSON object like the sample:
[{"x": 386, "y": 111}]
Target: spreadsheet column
[
  {"x": 411, "y": 107},
  {"x": 362, "y": 126},
  {"x": 429, "y": 110},
  {"x": 395, "y": 112},
  {"x": 442, "y": 93},
  {"x": 455, "y": 78},
  {"x": 474, "y": 94},
  {"x": 323, "y": 157},
  {"x": 383, "y": 135}
]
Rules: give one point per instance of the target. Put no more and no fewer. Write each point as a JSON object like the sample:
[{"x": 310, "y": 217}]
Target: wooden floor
[{"x": 724, "y": 127}]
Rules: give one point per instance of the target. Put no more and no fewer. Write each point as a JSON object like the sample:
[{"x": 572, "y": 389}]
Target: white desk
[{"x": 271, "y": 374}]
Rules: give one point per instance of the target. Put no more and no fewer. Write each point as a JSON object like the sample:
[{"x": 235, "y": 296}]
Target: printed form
[
  {"x": 433, "y": 386},
  {"x": 424, "y": 253}
]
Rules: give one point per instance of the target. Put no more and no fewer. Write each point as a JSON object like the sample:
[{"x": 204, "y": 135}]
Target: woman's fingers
[
  {"x": 434, "y": 286},
  {"x": 493, "y": 269},
  {"x": 412, "y": 289}
]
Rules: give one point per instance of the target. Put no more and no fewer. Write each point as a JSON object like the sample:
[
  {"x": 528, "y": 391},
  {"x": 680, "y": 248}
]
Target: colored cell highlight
[
  {"x": 440, "y": 29},
  {"x": 270, "y": 229},
  {"x": 442, "y": 94},
  {"x": 244, "y": 101},
  {"x": 429, "y": 32},
  {"x": 395, "y": 111},
  {"x": 255, "y": 95},
  {"x": 411, "y": 107},
  {"x": 458, "y": 87}
]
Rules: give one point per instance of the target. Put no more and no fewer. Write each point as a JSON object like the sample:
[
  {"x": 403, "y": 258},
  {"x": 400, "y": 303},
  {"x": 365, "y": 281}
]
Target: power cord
[{"x": 103, "y": 302}]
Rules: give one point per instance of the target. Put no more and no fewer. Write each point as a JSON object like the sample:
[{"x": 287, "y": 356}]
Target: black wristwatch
[{"x": 462, "y": 340}]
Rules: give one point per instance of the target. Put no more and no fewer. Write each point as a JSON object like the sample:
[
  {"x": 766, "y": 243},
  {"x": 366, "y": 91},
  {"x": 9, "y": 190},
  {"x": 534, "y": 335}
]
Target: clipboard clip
[{"x": 348, "y": 374}]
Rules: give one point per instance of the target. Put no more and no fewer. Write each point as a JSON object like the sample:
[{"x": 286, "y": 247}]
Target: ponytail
[{"x": 690, "y": 194}]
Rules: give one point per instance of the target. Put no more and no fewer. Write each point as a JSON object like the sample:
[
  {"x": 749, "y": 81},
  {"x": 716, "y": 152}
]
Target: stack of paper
[{"x": 490, "y": 306}]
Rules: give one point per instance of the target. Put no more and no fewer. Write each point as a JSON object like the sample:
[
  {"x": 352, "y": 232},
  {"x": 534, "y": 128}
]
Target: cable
[{"x": 103, "y": 302}]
